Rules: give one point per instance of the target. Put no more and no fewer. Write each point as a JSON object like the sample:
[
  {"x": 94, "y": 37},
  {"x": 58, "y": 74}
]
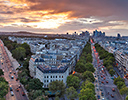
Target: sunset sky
[{"x": 62, "y": 16}]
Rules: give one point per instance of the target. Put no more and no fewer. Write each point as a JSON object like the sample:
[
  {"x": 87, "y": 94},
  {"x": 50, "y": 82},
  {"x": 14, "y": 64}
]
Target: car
[
  {"x": 12, "y": 94},
  {"x": 16, "y": 79},
  {"x": 96, "y": 80},
  {"x": 19, "y": 86},
  {"x": 102, "y": 93},
  {"x": 103, "y": 99},
  {"x": 101, "y": 75},
  {"x": 10, "y": 72},
  {"x": 10, "y": 88},
  {"x": 113, "y": 89},
  {"x": 97, "y": 89},
  {"x": 14, "y": 73},
  {"x": 98, "y": 96},
  {"x": 12, "y": 77},
  {"x": 17, "y": 89},
  {"x": 102, "y": 82},
  {"x": 101, "y": 89},
  {"x": 106, "y": 81},
  {"x": 112, "y": 95},
  {"x": 96, "y": 85},
  {"x": 23, "y": 94},
  {"x": 104, "y": 78}
]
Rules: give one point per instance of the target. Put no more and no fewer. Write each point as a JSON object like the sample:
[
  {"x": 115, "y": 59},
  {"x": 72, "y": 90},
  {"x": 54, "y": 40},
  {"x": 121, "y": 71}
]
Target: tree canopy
[
  {"x": 55, "y": 86},
  {"x": 71, "y": 93},
  {"x": 73, "y": 81}
]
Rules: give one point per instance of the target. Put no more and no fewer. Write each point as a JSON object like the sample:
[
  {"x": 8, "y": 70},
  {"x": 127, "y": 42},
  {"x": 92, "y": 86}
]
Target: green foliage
[
  {"x": 118, "y": 79},
  {"x": 19, "y": 53},
  {"x": 126, "y": 97},
  {"x": 86, "y": 94},
  {"x": 27, "y": 48},
  {"x": 112, "y": 72},
  {"x": 88, "y": 75},
  {"x": 3, "y": 87},
  {"x": 89, "y": 67},
  {"x": 34, "y": 94},
  {"x": 88, "y": 84},
  {"x": 73, "y": 81},
  {"x": 71, "y": 93},
  {"x": 89, "y": 58},
  {"x": 1, "y": 72},
  {"x": 109, "y": 67},
  {"x": 80, "y": 67},
  {"x": 120, "y": 85},
  {"x": 35, "y": 84},
  {"x": 124, "y": 91},
  {"x": 57, "y": 98},
  {"x": 57, "y": 86}
]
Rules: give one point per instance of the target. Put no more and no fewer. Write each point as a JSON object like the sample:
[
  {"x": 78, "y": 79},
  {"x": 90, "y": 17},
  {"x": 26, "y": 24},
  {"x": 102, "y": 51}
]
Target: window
[
  {"x": 59, "y": 76},
  {"x": 47, "y": 81},
  {"x": 56, "y": 76},
  {"x": 51, "y": 76},
  {"x": 47, "y": 76},
  {"x": 44, "y": 81},
  {"x": 44, "y": 85},
  {"x": 44, "y": 76},
  {"x": 51, "y": 80},
  {"x": 62, "y": 76},
  {"x": 47, "y": 85}
]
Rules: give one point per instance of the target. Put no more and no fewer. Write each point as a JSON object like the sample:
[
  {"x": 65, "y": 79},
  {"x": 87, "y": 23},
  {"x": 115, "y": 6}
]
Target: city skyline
[{"x": 40, "y": 16}]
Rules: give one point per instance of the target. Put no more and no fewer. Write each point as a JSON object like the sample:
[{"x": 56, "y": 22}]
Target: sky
[{"x": 62, "y": 16}]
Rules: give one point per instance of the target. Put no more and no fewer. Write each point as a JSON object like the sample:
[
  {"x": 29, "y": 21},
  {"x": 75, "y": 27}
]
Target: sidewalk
[{"x": 14, "y": 62}]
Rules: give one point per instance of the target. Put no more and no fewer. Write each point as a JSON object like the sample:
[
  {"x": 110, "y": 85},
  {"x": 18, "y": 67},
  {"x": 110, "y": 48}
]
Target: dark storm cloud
[
  {"x": 6, "y": 12},
  {"x": 83, "y": 8},
  {"x": 26, "y": 20}
]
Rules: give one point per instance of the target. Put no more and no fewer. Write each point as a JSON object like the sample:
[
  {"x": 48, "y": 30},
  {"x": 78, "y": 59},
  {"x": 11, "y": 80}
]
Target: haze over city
[{"x": 62, "y": 16}]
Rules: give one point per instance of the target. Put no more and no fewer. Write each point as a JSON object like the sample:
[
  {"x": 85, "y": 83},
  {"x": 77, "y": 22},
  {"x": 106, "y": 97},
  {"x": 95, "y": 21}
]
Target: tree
[
  {"x": 86, "y": 94},
  {"x": 89, "y": 85},
  {"x": 88, "y": 75},
  {"x": 89, "y": 67},
  {"x": 56, "y": 86},
  {"x": 1, "y": 72},
  {"x": 109, "y": 67},
  {"x": 35, "y": 84},
  {"x": 57, "y": 98},
  {"x": 118, "y": 79},
  {"x": 80, "y": 67},
  {"x": 71, "y": 93},
  {"x": 89, "y": 58},
  {"x": 19, "y": 53},
  {"x": 27, "y": 48},
  {"x": 34, "y": 94},
  {"x": 124, "y": 91},
  {"x": 9, "y": 46},
  {"x": 126, "y": 97},
  {"x": 3, "y": 89},
  {"x": 73, "y": 81},
  {"x": 111, "y": 72},
  {"x": 120, "y": 85}
]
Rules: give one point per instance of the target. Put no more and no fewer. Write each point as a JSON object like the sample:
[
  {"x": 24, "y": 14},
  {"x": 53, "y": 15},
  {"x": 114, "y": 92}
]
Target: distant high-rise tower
[{"x": 118, "y": 35}]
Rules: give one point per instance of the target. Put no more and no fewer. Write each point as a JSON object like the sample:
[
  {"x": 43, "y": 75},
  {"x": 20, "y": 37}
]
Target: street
[
  {"x": 11, "y": 76},
  {"x": 104, "y": 87}
]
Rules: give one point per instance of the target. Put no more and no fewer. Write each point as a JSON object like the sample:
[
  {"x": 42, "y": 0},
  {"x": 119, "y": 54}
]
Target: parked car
[
  {"x": 17, "y": 89},
  {"x": 23, "y": 94},
  {"x": 12, "y": 94},
  {"x": 112, "y": 95},
  {"x": 10, "y": 88},
  {"x": 12, "y": 77},
  {"x": 113, "y": 89}
]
